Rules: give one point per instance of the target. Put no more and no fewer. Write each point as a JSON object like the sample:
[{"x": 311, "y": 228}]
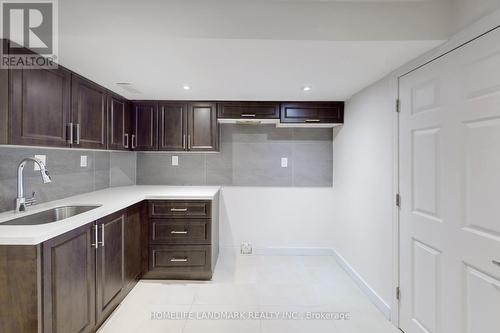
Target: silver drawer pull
[
  {"x": 494, "y": 262},
  {"x": 248, "y": 115},
  {"x": 313, "y": 120},
  {"x": 179, "y": 260},
  {"x": 178, "y": 232},
  {"x": 178, "y": 209}
]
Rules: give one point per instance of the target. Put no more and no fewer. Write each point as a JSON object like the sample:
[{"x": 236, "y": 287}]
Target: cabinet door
[
  {"x": 144, "y": 134},
  {"x": 172, "y": 126},
  {"x": 118, "y": 124},
  {"x": 202, "y": 127},
  {"x": 88, "y": 109},
  {"x": 248, "y": 110},
  {"x": 133, "y": 244},
  {"x": 312, "y": 112},
  {"x": 69, "y": 282},
  {"x": 4, "y": 106},
  {"x": 110, "y": 274},
  {"x": 40, "y": 107}
]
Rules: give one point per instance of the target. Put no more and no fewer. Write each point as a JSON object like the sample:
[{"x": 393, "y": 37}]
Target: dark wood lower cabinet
[
  {"x": 133, "y": 248},
  {"x": 110, "y": 269},
  {"x": 69, "y": 282},
  {"x": 183, "y": 240},
  {"x": 73, "y": 282}
]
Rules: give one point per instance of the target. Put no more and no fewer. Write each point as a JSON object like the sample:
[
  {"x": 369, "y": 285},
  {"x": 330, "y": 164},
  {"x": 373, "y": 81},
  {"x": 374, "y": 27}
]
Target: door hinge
[
  {"x": 398, "y": 293},
  {"x": 398, "y": 105},
  {"x": 398, "y": 200}
]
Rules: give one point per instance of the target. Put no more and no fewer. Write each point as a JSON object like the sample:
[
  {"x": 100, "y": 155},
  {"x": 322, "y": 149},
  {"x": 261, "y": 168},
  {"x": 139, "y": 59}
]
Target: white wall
[
  {"x": 363, "y": 182},
  {"x": 290, "y": 218},
  {"x": 467, "y": 12}
]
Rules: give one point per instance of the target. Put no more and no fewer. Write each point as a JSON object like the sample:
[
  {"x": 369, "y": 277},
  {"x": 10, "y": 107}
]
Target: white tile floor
[{"x": 252, "y": 284}]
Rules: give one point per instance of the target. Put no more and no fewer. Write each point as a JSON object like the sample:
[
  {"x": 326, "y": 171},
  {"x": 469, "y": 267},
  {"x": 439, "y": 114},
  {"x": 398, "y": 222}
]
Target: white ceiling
[{"x": 245, "y": 50}]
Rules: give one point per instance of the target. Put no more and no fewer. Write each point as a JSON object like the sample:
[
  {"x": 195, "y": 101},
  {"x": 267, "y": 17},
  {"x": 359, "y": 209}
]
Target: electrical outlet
[
  {"x": 83, "y": 161},
  {"x": 42, "y": 158},
  {"x": 175, "y": 160},
  {"x": 284, "y": 162},
  {"x": 246, "y": 248}
]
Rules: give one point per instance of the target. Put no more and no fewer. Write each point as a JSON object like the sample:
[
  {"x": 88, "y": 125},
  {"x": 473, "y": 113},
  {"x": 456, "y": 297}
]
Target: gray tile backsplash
[
  {"x": 249, "y": 156},
  {"x": 68, "y": 178}
]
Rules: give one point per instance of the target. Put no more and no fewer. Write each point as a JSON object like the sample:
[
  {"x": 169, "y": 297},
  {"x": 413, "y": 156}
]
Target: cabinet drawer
[
  {"x": 317, "y": 112},
  {"x": 180, "y": 209},
  {"x": 248, "y": 110},
  {"x": 179, "y": 262},
  {"x": 173, "y": 231}
]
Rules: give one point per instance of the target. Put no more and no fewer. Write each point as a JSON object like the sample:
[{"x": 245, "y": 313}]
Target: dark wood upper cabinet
[
  {"x": 69, "y": 282},
  {"x": 248, "y": 110},
  {"x": 40, "y": 107},
  {"x": 88, "y": 108},
  {"x": 312, "y": 112},
  {"x": 4, "y": 106},
  {"x": 110, "y": 269},
  {"x": 144, "y": 122},
  {"x": 119, "y": 123},
  {"x": 172, "y": 126},
  {"x": 202, "y": 127}
]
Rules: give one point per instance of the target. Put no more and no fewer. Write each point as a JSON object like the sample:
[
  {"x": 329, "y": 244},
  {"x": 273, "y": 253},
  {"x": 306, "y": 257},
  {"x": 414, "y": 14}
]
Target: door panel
[
  {"x": 133, "y": 244},
  {"x": 69, "y": 282},
  {"x": 119, "y": 124},
  {"x": 110, "y": 264},
  {"x": 450, "y": 185},
  {"x": 88, "y": 114},
  {"x": 40, "y": 107},
  {"x": 481, "y": 289},
  {"x": 145, "y": 134},
  {"x": 203, "y": 129},
  {"x": 173, "y": 127}
]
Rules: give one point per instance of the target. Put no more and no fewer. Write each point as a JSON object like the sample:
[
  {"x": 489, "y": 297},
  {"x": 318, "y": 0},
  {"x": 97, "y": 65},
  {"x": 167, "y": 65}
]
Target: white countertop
[{"x": 111, "y": 200}]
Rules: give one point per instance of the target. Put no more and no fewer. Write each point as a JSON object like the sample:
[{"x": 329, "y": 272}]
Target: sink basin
[{"x": 50, "y": 215}]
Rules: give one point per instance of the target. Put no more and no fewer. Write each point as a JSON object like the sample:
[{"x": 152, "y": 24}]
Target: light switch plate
[
  {"x": 284, "y": 162},
  {"x": 42, "y": 158},
  {"x": 83, "y": 161},
  {"x": 175, "y": 160}
]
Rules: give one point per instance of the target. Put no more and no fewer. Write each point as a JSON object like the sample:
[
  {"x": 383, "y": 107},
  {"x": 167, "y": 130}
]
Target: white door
[{"x": 450, "y": 188}]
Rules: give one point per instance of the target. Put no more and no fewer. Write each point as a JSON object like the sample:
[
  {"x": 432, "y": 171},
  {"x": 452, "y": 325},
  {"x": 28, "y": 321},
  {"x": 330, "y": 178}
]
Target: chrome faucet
[{"x": 21, "y": 201}]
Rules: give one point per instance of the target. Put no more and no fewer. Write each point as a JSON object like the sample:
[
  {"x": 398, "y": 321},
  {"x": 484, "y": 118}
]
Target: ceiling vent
[{"x": 129, "y": 87}]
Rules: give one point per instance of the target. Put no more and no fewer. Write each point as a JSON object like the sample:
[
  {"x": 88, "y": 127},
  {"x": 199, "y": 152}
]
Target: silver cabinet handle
[
  {"x": 96, "y": 236},
  {"x": 77, "y": 134},
  {"x": 189, "y": 141},
  {"x": 178, "y": 232},
  {"x": 133, "y": 141},
  {"x": 179, "y": 259},
  {"x": 69, "y": 135},
  {"x": 125, "y": 140},
  {"x": 102, "y": 236},
  {"x": 248, "y": 115},
  {"x": 178, "y": 209},
  {"x": 494, "y": 262},
  {"x": 313, "y": 120},
  {"x": 184, "y": 141}
]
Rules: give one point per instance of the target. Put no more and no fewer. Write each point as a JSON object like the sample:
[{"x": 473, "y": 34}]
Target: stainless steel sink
[{"x": 50, "y": 215}]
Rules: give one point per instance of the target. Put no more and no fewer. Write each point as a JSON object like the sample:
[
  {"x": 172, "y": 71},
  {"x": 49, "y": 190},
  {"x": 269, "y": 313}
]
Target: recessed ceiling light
[
  {"x": 306, "y": 88},
  {"x": 186, "y": 87}
]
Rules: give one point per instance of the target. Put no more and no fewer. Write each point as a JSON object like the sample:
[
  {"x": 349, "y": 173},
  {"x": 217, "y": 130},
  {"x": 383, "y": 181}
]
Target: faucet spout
[{"x": 21, "y": 201}]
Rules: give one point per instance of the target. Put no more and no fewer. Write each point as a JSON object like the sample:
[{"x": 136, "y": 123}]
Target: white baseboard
[
  {"x": 281, "y": 251},
  {"x": 365, "y": 287}
]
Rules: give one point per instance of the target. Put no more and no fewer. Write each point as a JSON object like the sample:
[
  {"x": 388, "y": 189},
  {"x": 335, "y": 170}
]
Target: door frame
[{"x": 470, "y": 34}]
